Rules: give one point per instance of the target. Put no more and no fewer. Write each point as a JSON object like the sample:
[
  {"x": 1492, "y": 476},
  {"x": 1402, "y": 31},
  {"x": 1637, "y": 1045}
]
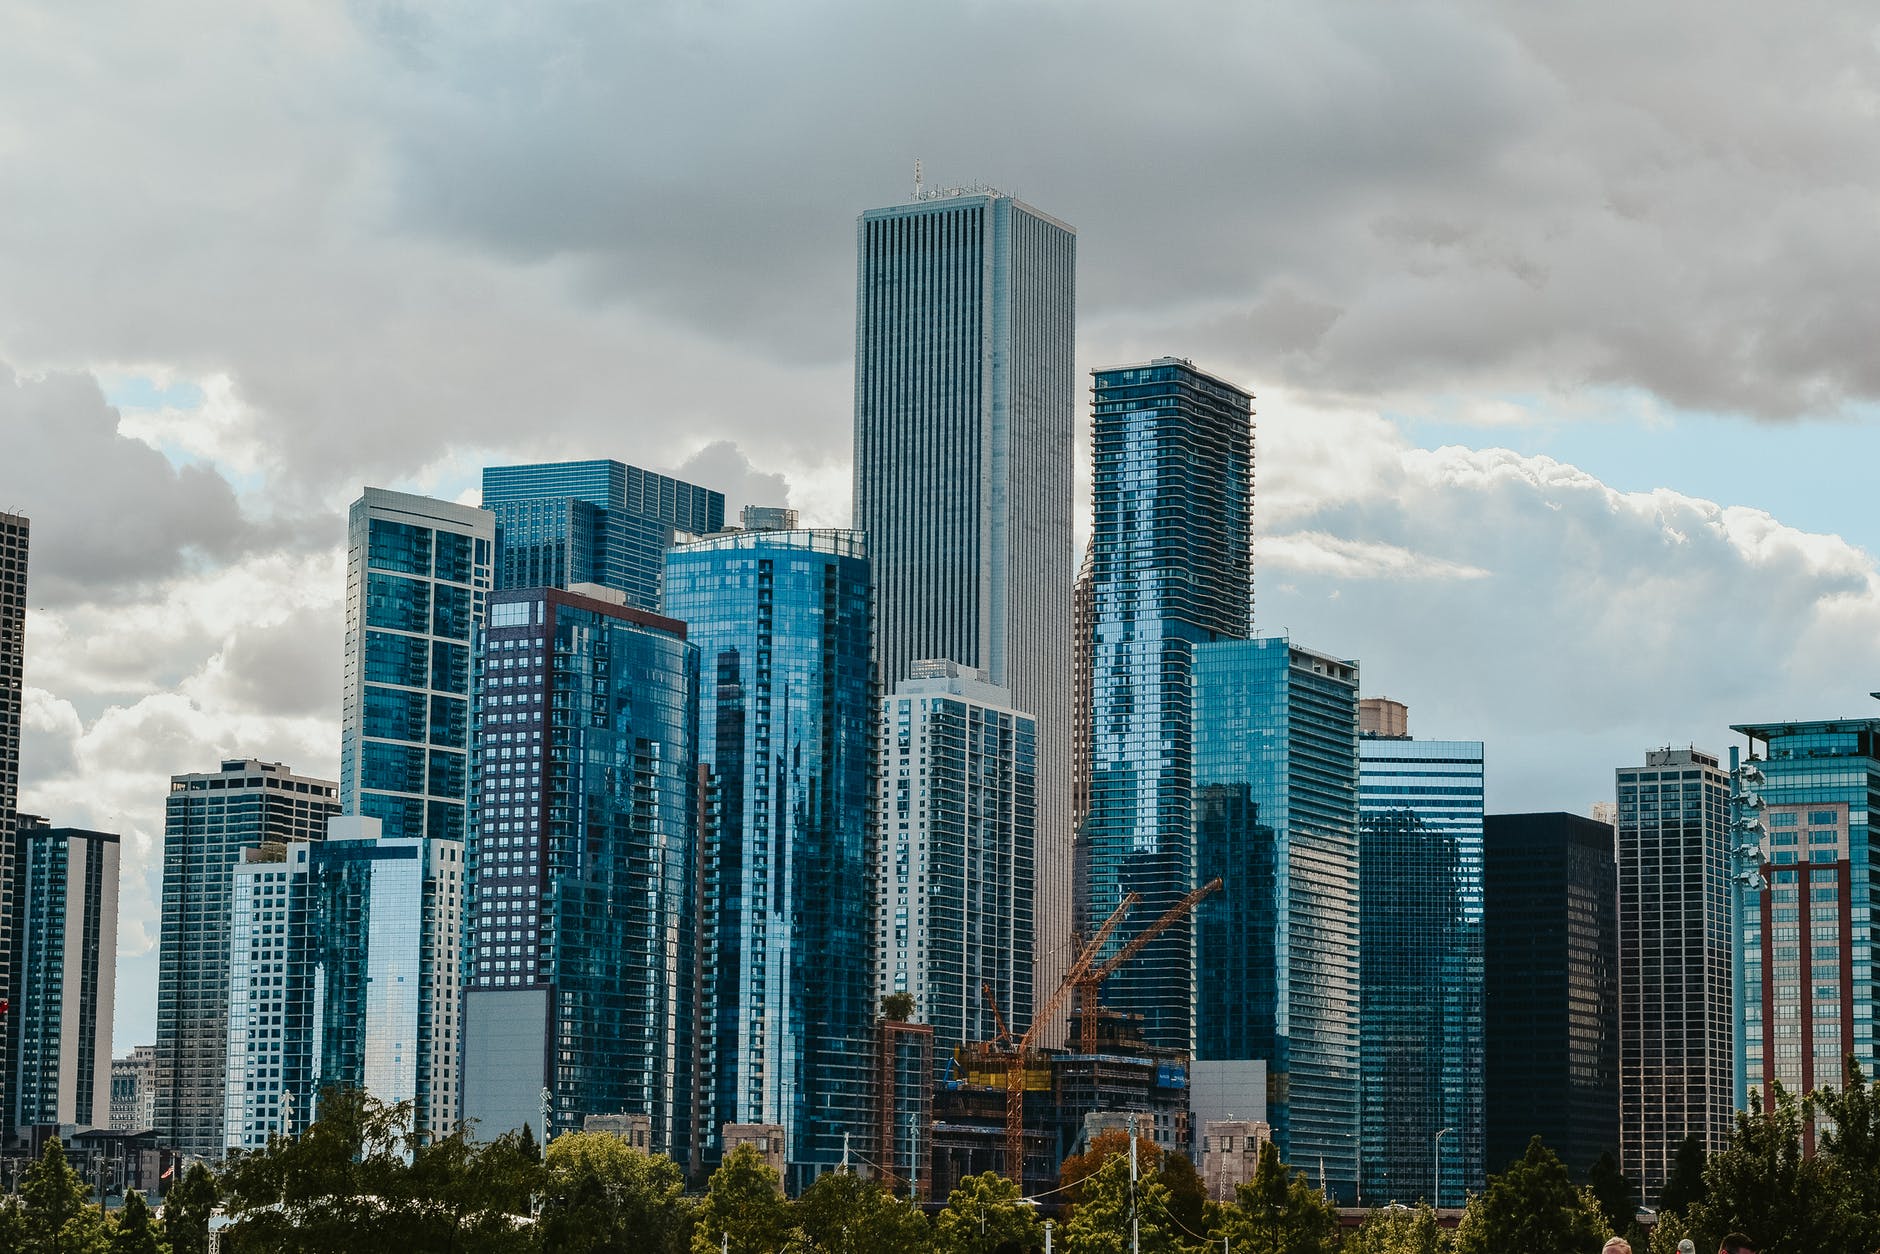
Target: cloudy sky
[{"x": 1561, "y": 318}]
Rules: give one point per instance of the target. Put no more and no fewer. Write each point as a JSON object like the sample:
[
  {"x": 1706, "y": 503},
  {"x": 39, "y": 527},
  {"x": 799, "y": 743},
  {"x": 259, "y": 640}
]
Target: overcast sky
[{"x": 1562, "y": 321}]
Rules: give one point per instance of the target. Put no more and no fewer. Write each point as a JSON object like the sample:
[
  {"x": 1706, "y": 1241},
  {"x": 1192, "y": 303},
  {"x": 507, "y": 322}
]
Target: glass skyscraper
[
  {"x": 1420, "y": 925},
  {"x": 958, "y": 826},
  {"x": 584, "y": 869},
  {"x": 14, "y": 535},
  {"x": 1276, "y": 951},
  {"x": 64, "y": 978},
  {"x": 1677, "y": 1057},
  {"x": 1808, "y": 805},
  {"x": 417, "y": 576},
  {"x": 1171, "y": 568},
  {"x": 965, "y": 428},
  {"x": 600, "y": 522},
  {"x": 209, "y": 819},
  {"x": 787, "y": 727}
]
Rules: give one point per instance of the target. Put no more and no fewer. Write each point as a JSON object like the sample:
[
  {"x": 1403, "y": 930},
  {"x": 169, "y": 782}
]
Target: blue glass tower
[
  {"x": 417, "y": 575},
  {"x": 1171, "y": 567},
  {"x": 787, "y": 726},
  {"x": 1420, "y": 926},
  {"x": 1276, "y": 951},
  {"x": 601, "y": 522},
  {"x": 582, "y": 932}
]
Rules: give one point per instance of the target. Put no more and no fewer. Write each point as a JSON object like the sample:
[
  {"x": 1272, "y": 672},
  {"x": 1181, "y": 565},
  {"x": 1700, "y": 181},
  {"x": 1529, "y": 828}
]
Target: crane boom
[
  {"x": 1005, "y": 1033},
  {"x": 1089, "y": 984}
]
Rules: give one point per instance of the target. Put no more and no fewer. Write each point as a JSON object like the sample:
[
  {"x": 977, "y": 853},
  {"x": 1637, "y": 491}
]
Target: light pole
[{"x": 1437, "y": 1204}]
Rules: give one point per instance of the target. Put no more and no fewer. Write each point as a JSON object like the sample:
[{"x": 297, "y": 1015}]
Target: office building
[
  {"x": 64, "y": 976},
  {"x": 1171, "y": 569},
  {"x": 417, "y": 576},
  {"x": 343, "y": 973},
  {"x": 1420, "y": 920},
  {"x": 15, "y": 533},
  {"x": 599, "y": 522},
  {"x": 134, "y": 1090},
  {"x": 958, "y": 832},
  {"x": 1276, "y": 950},
  {"x": 787, "y": 727},
  {"x": 1677, "y": 1056},
  {"x": 965, "y": 428},
  {"x": 1551, "y": 940},
  {"x": 583, "y": 901},
  {"x": 209, "y": 818},
  {"x": 1806, "y": 814}
]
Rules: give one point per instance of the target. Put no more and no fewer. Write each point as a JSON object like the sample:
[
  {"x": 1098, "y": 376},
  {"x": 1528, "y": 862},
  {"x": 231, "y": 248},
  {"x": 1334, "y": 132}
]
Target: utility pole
[{"x": 1135, "y": 1227}]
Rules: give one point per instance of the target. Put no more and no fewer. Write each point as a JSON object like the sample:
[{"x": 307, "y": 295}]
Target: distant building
[
  {"x": 64, "y": 976},
  {"x": 1420, "y": 924},
  {"x": 209, "y": 819},
  {"x": 635, "y": 1130},
  {"x": 1677, "y": 1056},
  {"x": 1552, "y": 989},
  {"x": 14, "y": 543},
  {"x": 599, "y": 522},
  {"x": 768, "y": 1139},
  {"x": 134, "y": 1090},
  {"x": 1230, "y": 1154},
  {"x": 958, "y": 847},
  {"x": 767, "y": 518},
  {"x": 1380, "y": 716},
  {"x": 1276, "y": 951}
]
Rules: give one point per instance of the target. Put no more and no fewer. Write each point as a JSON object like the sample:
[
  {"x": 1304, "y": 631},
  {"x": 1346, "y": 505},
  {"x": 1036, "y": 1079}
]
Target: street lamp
[{"x": 1438, "y": 1202}]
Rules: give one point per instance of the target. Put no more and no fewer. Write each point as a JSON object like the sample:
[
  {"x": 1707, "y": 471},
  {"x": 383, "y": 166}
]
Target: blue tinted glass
[
  {"x": 394, "y": 659},
  {"x": 398, "y": 603},
  {"x": 398, "y": 546}
]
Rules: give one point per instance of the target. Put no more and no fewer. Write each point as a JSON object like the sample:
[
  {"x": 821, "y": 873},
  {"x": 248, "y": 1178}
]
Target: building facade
[
  {"x": 209, "y": 819},
  {"x": 417, "y": 576},
  {"x": 965, "y": 422},
  {"x": 1677, "y": 1055},
  {"x": 956, "y": 867},
  {"x": 583, "y": 904},
  {"x": 787, "y": 727},
  {"x": 15, "y": 537},
  {"x": 1551, "y": 1040},
  {"x": 1172, "y": 568},
  {"x": 1421, "y": 969},
  {"x": 134, "y": 1090},
  {"x": 64, "y": 974},
  {"x": 599, "y": 522},
  {"x": 1276, "y": 950}
]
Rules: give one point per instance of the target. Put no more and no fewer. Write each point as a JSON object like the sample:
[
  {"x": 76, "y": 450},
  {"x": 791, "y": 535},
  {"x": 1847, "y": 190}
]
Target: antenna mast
[{"x": 917, "y": 180}]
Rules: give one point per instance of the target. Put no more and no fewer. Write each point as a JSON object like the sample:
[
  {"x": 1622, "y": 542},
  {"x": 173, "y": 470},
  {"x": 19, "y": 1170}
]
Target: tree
[
  {"x": 1187, "y": 1195},
  {"x": 744, "y": 1209},
  {"x": 844, "y": 1214},
  {"x": 135, "y": 1231},
  {"x": 187, "y": 1209},
  {"x": 898, "y": 1007},
  {"x": 1685, "y": 1184},
  {"x": 1531, "y": 1206},
  {"x": 1851, "y": 1146},
  {"x": 983, "y": 1213},
  {"x": 59, "y": 1218},
  {"x": 607, "y": 1197},
  {"x": 1760, "y": 1182},
  {"x": 1278, "y": 1212},
  {"x": 1399, "y": 1230},
  {"x": 1105, "y": 1145},
  {"x": 1110, "y": 1206},
  {"x": 1614, "y": 1191}
]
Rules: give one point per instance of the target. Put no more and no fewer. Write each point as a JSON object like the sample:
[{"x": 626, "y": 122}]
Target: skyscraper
[
  {"x": 1551, "y": 936},
  {"x": 64, "y": 977},
  {"x": 965, "y": 417},
  {"x": 1807, "y": 947},
  {"x": 959, "y": 769},
  {"x": 14, "y": 534},
  {"x": 1276, "y": 951},
  {"x": 583, "y": 898},
  {"x": 208, "y": 820},
  {"x": 787, "y": 727},
  {"x": 600, "y": 522},
  {"x": 1677, "y": 1057},
  {"x": 1420, "y": 924},
  {"x": 1172, "y": 568},
  {"x": 417, "y": 576}
]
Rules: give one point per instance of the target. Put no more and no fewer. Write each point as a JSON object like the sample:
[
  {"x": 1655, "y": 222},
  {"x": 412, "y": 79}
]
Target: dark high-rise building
[
  {"x": 1677, "y": 1056},
  {"x": 1171, "y": 568},
  {"x": 600, "y": 522},
  {"x": 14, "y": 534},
  {"x": 64, "y": 976},
  {"x": 787, "y": 729},
  {"x": 209, "y": 819},
  {"x": 1552, "y": 987},
  {"x": 965, "y": 423},
  {"x": 582, "y": 903},
  {"x": 1276, "y": 950}
]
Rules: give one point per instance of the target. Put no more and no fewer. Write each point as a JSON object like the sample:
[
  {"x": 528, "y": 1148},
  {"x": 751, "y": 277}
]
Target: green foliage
[
  {"x": 1187, "y": 1195},
  {"x": 1531, "y": 1206},
  {"x": 844, "y": 1214},
  {"x": 982, "y": 1214},
  {"x": 1851, "y": 1147},
  {"x": 1760, "y": 1182},
  {"x": 135, "y": 1230},
  {"x": 744, "y": 1211},
  {"x": 187, "y": 1208},
  {"x": 1685, "y": 1185},
  {"x": 1614, "y": 1191},
  {"x": 55, "y": 1208},
  {"x": 1101, "y": 1222},
  {"x": 607, "y": 1197},
  {"x": 1105, "y": 1145},
  {"x": 1278, "y": 1212},
  {"x": 1399, "y": 1230},
  {"x": 898, "y": 1007}
]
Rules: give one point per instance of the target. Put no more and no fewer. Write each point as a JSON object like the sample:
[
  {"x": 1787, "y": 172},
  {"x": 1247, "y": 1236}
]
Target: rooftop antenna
[{"x": 917, "y": 187}]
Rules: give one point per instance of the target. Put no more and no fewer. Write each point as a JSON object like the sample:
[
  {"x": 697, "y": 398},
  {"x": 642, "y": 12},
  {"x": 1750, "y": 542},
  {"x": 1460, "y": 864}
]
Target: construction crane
[{"x": 1090, "y": 983}]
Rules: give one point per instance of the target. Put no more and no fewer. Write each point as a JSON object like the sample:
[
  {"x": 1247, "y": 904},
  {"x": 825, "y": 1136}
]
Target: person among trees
[
  {"x": 1616, "y": 1245},
  {"x": 1736, "y": 1243}
]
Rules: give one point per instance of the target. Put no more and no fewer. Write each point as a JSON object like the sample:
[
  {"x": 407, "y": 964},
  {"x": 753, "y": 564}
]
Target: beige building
[{"x": 1230, "y": 1152}]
